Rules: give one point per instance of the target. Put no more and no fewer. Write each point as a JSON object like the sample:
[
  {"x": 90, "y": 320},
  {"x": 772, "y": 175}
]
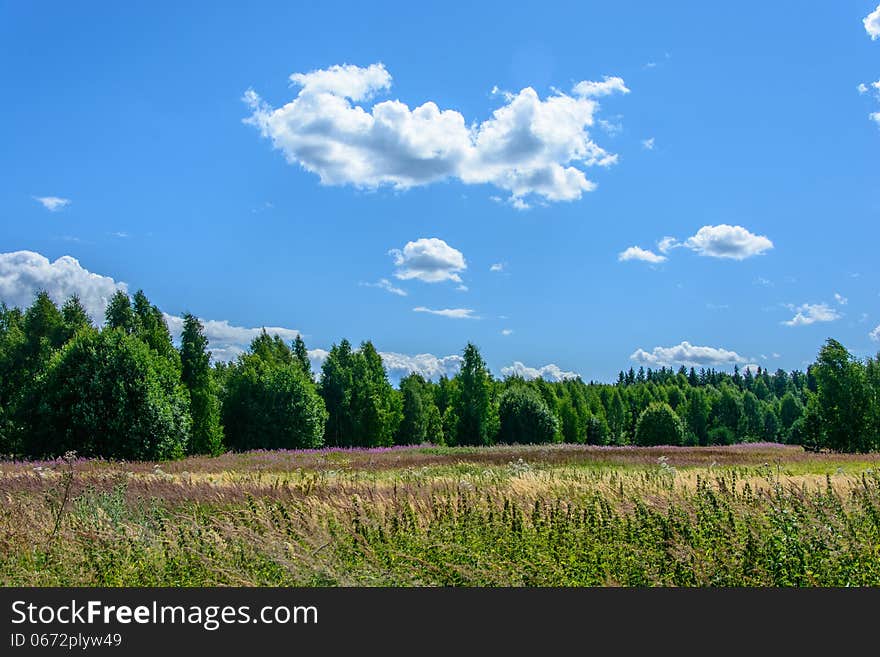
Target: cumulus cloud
[
  {"x": 550, "y": 372},
  {"x": 452, "y": 313},
  {"x": 638, "y": 253},
  {"x": 839, "y": 298},
  {"x": 388, "y": 286},
  {"x": 227, "y": 341},
  {"x": 725, "y": 241},
  {"x": 52, "y": 203},
  {"x": 24, "y": 273},
  {"x": 811, "y": 313},
  {"x": 721, "y": 241},
  {"x": 875, "y": 334},
  {"x": 872, "y": 24},
  {"x": 428, "y": 259},
  {"x": 427, "y": 365},
  {"x": 530, "y": 145},
  {"x": 686, "y": 354},
  {"x": 608, "y": 86}
]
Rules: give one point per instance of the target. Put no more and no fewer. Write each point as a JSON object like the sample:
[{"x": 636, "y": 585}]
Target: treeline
[{"x": 125, "y": 391}]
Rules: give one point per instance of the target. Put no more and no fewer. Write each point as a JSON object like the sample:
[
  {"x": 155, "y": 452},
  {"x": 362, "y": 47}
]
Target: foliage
[
  {"x": 659, "y": 425},
  {"x": 106, "y": 394},
  {"x": 525, "y": 417}
]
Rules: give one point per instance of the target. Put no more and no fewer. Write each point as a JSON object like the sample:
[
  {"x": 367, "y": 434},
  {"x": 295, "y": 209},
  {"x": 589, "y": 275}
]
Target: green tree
[
  {"x": 301, "y": 354},
  {"x": 752, "y": 418},
  {"x": 195, "y": 362},
  {"x": 659, "y": 425},
  {"x": 272, "y": 406},
  {"x": 472, "y": 405},
  {"x": 843, "y": 396},
  {"x": 336, "y": 389},
  {"x": 107, "y": 394},
  {"x": 414, "y": 425},
  {"x": 74, "y": 317},
  {"x": 150, "y": 326},
  {"x": 525, "y": 417},
  {"x": 119, "y": 313},
  {"x": 696, "y": 416},
  {"x": 375, "y": 406},
  {"x": 790, "y": 409},
  {"x": 728, "y": 410}
]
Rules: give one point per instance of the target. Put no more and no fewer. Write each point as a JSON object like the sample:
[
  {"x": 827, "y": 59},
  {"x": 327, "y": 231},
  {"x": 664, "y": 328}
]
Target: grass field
[{"x": 564, "y": 515}]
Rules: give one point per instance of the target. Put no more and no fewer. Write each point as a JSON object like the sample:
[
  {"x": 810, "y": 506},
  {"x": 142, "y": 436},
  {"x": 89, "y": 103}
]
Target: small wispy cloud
[
  {"x": 385, "y": 284},
  {"x": 52, "y": 203},
  {"x": 498, "y": 266},
  {"x": 506, "y": 331},
  {"x": 451, "y": 313},
  {"x": 638, "y": 253},
  {"x": 648, "y": 144},
  {"x": 120, "y": 234},
  {"x": 839, "y": 298}
]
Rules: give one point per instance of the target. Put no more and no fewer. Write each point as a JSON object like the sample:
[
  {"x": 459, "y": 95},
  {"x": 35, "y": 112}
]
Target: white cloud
[
  {"x": 608, "y": 86},
  {"x": 862, "y": 88},
  {"x": 428, "y": 365},
  {"x": 529, "y": 146},
  {"x": 549, "y": 372},
  {"x": 875, "y": 334},
  {"x": 686, "y": 354},
  {"x": 52, "y": 203},
  {"x": 388, "y": 286},
  {"x": 667, "y": 244},
  {"x": 611, "y": 127},
  {"x": 811, "y": 313},
  {"x": 875, "y": 117},
  {"x": 506, "y": 331},
  {"x": 638, "y": 253},
  {"x": 452, "y": 313},
  {"x": 872, "y": 24},
  {"x": 498, "y": 266},
  {"x": 725, "y": 241},
  {"x": 462, "y": 288},
  {"x": 842, "y": 300},
  {"x": 753, "y": 367},
  {"x": 648, "y": 144},
  {"x": 428, "y": 259},
  {"x": 24, "y": 273}
]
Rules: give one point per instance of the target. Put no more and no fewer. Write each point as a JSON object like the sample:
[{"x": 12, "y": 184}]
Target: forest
[{"x": 126, "y": 391}]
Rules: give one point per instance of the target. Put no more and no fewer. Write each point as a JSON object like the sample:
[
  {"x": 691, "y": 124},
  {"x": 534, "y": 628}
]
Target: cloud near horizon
[
  {"x": 529, "y": 147},
  {"x": 686, "y": 354},
  {"x": 549, "y": 372}
]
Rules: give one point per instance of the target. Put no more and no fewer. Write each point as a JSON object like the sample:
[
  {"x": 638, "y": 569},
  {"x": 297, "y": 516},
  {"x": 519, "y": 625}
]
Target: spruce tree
[{"x": 195, "y": 361}]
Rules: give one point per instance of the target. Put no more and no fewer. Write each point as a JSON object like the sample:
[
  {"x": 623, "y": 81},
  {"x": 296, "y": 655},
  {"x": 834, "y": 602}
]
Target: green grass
[{"x": 510, "y": 517}]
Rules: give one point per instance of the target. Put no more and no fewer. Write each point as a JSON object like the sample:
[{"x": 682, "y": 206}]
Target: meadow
[{"x": 756, "y": 514}]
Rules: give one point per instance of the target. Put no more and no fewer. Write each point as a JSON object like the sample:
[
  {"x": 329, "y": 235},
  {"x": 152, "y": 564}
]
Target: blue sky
[{"x": 745, "y": 120}]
